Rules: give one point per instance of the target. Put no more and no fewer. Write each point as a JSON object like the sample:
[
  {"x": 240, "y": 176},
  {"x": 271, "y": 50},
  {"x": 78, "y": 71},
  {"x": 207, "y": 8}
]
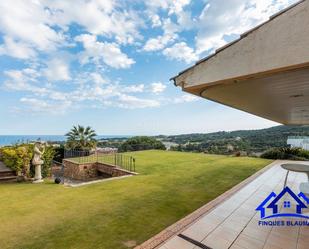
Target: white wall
[{"x": 302, "y": 142}]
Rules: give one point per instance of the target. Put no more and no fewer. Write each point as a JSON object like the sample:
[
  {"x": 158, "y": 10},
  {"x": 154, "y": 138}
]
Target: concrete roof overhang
[{"x": 265, "y": 72}]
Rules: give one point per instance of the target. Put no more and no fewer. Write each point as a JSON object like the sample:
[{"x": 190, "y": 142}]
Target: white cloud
[
  {"x": 97, "y": 52},
  {"x": 45, "y": 107},
  {"x": 221, "y": 18},
  {"x": 40, "y": 29},
  {"x": 22, "y": 80},
  {"x": 15, "y": 49},
  {"x": 156, "y": 20},
  {"x": 57, "y": 69},
  {"x": 100, "y": 92},
  {"x": 98, "y": 79},
  {"x": 132, "y": 102},
  {"x": 158, "y": 43},
  {"x": 41, "y": 25},
  {"x": 107, "y": 18},
  {"x": 170, "y": 30},
  {"x": 171, "y": 6},
  {"x": 29, "y": 23},
  {"x": 178, "y": 6},
  {"x": 186, "y": 98},
  {"x": 182, "y": 52},
  {"x": 134, "y": 88},
  {"x": 157, "y": 87}
]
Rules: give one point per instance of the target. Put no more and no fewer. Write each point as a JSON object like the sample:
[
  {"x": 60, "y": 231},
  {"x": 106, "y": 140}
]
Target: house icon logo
[{"x": 285, "y": 204}]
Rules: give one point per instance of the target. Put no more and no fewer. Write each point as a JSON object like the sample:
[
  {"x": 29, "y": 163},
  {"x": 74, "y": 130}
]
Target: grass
[{"x": 106, "y": 215}]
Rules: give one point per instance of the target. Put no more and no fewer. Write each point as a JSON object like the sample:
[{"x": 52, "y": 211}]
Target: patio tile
[
  {"x": 202, "y": 228},
  {"x": 225, "y": 233},
  {"x": 272, "y": 246},
  {"x": 282, "y": 241},
  {"x": 249, "y": 242},
  {"x": 303, "y": 238},
  {"x": 177, "y": 243},
  {"x": 256, "y": 233},
  {"x": 162, "y": 247},
  {"x": 304, "y": 230},
  {"x": 236, "y": 247},
  {"x": 233, "y": 224},
  {"x": 216, "y": 242},
  {"x": 302, "y": 245}
]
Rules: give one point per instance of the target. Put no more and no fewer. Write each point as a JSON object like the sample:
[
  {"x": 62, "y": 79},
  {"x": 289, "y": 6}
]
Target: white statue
[{"x": 37, "y": 161}]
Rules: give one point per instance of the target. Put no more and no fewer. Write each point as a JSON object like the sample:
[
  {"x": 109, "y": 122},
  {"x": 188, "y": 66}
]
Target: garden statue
[{"x": 37, "y": 161}]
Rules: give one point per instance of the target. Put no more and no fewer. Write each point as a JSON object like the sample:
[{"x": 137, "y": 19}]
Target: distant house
[
  {"x": 168, "y": 145},
  {"x": 106, "y": 150},
  {"x": 298, "y": 142}
]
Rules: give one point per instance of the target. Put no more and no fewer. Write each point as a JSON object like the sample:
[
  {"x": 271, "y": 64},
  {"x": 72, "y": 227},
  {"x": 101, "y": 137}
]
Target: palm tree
[{"x": 81, "y": 138}]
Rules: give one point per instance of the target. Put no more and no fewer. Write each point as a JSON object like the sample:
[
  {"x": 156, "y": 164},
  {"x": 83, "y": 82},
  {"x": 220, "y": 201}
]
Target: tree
[
  {"x": 141, "y": 143},
  {"x": 81, "y": 138}
]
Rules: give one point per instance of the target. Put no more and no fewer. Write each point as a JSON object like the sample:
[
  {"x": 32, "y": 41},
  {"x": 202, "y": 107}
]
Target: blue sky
[{"x": 107, "y": 64}]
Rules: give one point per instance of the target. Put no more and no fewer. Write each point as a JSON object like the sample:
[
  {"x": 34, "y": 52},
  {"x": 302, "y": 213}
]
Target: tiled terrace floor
[{"x": 234, "y": 222}]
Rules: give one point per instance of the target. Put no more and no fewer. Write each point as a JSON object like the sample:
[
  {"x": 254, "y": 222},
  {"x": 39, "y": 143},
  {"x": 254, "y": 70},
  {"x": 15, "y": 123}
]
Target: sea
[{"x": 16, "y": 139}]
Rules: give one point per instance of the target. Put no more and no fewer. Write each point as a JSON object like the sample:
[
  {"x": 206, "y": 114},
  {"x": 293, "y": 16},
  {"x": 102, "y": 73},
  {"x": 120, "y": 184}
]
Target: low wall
[
  {"x": 87, "y": 171},
  {"x": 113, "y": 171},
  {"x": 77, "y": 171}
]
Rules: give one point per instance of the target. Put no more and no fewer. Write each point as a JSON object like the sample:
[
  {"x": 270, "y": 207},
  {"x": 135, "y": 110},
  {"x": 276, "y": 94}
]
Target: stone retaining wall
[
  {"x": 87, "y": 171},
  {"x": 113, "y": 171}
]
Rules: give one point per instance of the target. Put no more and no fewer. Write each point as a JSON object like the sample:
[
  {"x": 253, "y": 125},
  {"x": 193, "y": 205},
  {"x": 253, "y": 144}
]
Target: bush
[
  {"x": 59, "y": 154},
  {"x": 18, "y": 158},
  {"x": 47, "y": 157},
  {"x": 141, "y": 143},
  {"x": 286, "y": 154}
]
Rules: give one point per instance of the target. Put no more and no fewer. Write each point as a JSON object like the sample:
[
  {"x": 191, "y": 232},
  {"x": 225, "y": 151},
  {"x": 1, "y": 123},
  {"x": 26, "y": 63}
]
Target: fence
[{"x": 120, "y": 160}]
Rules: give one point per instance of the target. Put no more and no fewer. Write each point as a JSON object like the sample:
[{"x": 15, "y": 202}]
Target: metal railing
[{"x": 123, "y": 161}]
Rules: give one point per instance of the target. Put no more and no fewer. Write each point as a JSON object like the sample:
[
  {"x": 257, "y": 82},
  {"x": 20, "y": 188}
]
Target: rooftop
[{"x": 265, "y": 72}]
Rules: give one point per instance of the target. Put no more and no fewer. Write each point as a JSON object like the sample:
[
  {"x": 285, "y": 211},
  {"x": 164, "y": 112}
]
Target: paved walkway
[
  {"x": 233, "y": 222},
  {"x": 3, "y": 167}
]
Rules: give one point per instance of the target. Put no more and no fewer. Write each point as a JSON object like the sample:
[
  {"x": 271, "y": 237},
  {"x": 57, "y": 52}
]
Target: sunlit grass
[{"x": 108, "y": 214}]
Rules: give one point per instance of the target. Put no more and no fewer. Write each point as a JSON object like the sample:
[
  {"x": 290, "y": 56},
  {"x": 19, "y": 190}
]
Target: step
[
  {"x": 7, "y": 173},
  {"x": 8, "y": 179}
]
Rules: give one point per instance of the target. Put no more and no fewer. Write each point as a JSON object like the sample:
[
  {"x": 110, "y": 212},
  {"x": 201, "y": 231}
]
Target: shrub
[
  {"x": 59, "y": 154},
  {"x": 141, "y": 143},
  {"x": 18, "y": 158},
  {"x": 47, "y": 157},
  {"x": 237, "y": 154},
  {"x": 286, "y": 154}
]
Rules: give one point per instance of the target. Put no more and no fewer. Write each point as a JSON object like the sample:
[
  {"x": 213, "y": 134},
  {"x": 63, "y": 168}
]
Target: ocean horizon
[{"x": 16, "y": 139}]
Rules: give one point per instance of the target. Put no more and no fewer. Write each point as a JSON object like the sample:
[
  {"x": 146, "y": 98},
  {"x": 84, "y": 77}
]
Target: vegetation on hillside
[
  {"x": 249, "y": 141},
  {"x": 141, "y": 143},
  {"x": 81, "y": 138}
]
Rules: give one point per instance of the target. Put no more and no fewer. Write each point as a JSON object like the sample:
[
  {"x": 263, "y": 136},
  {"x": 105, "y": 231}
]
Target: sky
[{"x": 107, "y": 64}]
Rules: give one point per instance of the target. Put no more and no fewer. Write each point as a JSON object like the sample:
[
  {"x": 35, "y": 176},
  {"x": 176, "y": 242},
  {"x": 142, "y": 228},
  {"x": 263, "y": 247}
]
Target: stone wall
[
  {"x": 113, "y": 171},
  {"x": 84, "y": 171},
  {"x": 88, "y": 171}
]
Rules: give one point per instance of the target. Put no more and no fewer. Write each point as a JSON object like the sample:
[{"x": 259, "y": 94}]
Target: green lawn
[{"x": 108, "y": 214}]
